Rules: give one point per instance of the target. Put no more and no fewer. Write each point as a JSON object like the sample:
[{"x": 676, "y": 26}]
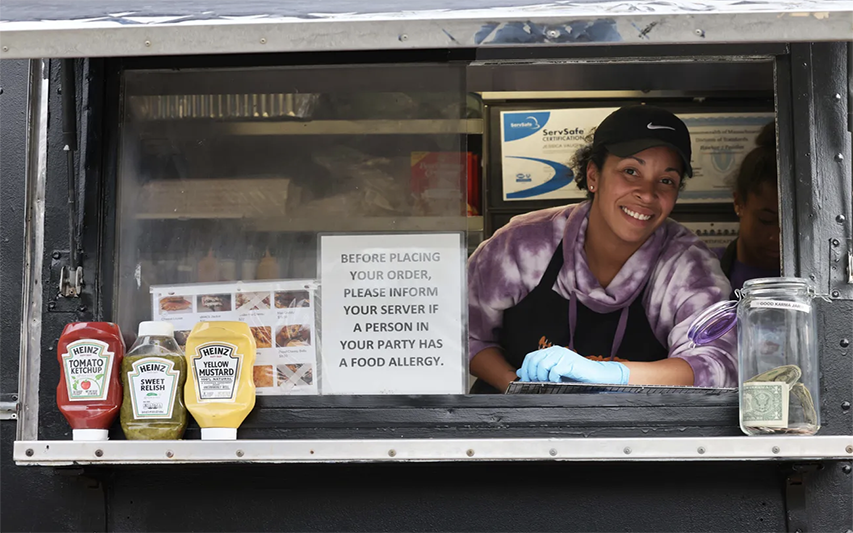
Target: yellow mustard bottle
[{"x": 220, "y": 390}]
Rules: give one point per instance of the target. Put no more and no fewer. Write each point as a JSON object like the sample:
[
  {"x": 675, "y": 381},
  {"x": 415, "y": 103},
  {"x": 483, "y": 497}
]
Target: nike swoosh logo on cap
[{"x": 655, "y": 127}]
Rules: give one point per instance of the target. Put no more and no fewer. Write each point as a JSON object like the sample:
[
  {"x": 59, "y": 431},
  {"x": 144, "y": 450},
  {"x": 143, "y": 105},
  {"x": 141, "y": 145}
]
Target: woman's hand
[{"x": 558, "y": 364}]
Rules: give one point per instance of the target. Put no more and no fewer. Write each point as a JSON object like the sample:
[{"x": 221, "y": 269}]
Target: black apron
[{"x": 541, "y": 320}]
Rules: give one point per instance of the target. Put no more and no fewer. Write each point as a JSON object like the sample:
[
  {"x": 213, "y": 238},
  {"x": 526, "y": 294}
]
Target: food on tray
[
  {"x": 263, "y": 376},
  {"x": 263, "y": 336},
  {"x": 175, "y": 303},
  {"x": 214, "y": 302},
  {"x": 291, "y": 299},
  {"x": 253, "y": 300},
  {"x": 298, "y": 334}
]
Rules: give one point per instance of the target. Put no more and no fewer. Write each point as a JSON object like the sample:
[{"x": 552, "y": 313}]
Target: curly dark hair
[
  {"x": 586, "y": 155},
  {"x": 759, "y": 165}
]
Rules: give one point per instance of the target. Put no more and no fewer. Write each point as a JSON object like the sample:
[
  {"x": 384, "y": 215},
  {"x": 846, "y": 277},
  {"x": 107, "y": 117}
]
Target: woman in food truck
[
  {"x": 755, "y": 253},
  {"x": 611, "y": 278}
]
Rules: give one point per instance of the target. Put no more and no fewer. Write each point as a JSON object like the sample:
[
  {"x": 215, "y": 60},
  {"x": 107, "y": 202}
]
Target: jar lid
[
  {"x": 713, "y": 323},
  {"x": 156, "y": 329}
]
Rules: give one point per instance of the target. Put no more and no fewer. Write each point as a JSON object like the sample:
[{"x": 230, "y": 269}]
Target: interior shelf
[{"x": 316, "y": 127}]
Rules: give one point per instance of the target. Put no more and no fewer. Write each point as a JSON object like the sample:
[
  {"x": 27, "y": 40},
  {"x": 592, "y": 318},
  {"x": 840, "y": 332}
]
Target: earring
[{"x": 591, "y": 188}]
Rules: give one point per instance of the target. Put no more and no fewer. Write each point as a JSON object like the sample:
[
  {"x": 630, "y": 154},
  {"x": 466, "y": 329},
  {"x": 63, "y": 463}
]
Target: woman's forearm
[
  {"x": 491, "y": 366},
  {"x": 671, "y": 371}
]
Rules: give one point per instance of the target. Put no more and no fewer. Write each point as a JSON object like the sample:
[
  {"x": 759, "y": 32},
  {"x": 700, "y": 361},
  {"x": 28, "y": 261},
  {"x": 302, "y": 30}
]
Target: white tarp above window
[{"x": 93, "y": 28}]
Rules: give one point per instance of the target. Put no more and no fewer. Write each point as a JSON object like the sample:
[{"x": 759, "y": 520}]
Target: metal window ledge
[{"x": 59, "y": 453}]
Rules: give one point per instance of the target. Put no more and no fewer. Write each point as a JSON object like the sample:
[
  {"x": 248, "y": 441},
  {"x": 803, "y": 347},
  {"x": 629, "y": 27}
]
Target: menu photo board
[
  {"x": 392, "y": 314},
  {"x": 537, "y": 147},
  {"x": 280, "y": 314}
]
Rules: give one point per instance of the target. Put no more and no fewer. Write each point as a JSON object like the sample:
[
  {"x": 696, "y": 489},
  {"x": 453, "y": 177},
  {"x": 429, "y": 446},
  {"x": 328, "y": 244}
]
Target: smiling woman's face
[{"x": 634, "y": 195}]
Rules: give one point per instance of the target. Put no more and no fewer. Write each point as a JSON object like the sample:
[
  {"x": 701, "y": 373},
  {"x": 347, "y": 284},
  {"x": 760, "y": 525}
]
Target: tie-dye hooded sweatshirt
[{"x": 683, "y": 277}]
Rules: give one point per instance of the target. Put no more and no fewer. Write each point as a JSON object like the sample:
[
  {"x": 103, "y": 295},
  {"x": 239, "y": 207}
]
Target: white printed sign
[
  {"x": 537, "y": 147},
  {"x": 719, "y": 142},
  {"x": 392, "y": 314},
  {"x": 280, "y": 315}
]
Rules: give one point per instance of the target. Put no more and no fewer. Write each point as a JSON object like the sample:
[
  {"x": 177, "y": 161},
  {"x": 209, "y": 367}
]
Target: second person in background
[{"x": 755, "y": 253}]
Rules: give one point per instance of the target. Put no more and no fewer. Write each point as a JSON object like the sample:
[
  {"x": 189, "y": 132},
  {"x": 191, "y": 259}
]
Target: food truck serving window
[
  {"x": 333, "y": 208},
  {"x": 325, "y": 207}
]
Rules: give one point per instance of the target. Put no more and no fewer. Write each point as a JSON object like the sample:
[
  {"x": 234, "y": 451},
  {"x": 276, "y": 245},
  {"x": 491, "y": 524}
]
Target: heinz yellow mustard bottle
[{"x": 220, "y": 390}]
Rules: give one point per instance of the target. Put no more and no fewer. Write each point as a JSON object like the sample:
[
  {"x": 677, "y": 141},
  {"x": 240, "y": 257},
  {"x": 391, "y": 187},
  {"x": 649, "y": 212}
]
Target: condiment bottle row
[{"x": 154, "y": 385}]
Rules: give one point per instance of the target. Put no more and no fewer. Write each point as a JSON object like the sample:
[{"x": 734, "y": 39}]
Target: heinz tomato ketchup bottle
[{"x": 89, "y": 392}]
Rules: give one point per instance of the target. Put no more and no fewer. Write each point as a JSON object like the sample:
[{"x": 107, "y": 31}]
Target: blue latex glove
[{"x": 561, "y": 364}]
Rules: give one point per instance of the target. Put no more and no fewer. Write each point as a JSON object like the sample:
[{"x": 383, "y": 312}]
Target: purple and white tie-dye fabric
[{"x": 683, "y": 275}]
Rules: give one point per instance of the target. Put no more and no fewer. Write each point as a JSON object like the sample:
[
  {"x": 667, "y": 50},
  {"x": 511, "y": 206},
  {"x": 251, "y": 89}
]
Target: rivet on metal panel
[
  {"x": 51, "y": 305},
  {"x": 29, "y": 452},
  {"x": 775, "y": 449},
  {"x": 170, "y": 454},
  {"x": 836, "y": 294},
  {"x": 470, "y": 453},
  {"x": 403, "y": 37},
  {"x": 56, "y": 255},
  {"x": 552, "y": 34},
  {"x": 701, "y": 450},
  {"x": 263, "y": 40},
  {"x": 627, "y": 451},
  {"x": 699, "y": 32},
  {"x": 147, "y": 43},
  {"x": 812, "y": 277},
  {"x": 5, "y": 48},
  {"x": 552, "y": 452},
  {"x": 845, "y": 406},
  {"x": 837, "y": 96},
  {"x": 840, "y": 219},
  {"x": 240, "y": 453},
  {"x": 99, "y": 453},
  {"x": 844, "y": 343},
  {"x": 392, "y": 453},
  {"x": 839, "y": 157},
  {"x": 835, "y": 242},
  {"x": 849, "y": 449},
  {"x": 846, "y": 469}
]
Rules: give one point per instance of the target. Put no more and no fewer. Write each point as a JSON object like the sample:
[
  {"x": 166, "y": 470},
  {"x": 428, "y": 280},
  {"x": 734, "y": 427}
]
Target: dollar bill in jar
[{"x": 765, "y": 404}]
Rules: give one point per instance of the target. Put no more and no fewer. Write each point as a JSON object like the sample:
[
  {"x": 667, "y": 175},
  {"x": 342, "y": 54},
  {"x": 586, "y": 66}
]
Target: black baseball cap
[{"x": 635, "y": 128}]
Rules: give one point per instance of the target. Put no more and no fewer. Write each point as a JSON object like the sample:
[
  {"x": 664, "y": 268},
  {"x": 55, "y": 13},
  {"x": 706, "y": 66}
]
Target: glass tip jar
[{"x": 778, "y": 369}]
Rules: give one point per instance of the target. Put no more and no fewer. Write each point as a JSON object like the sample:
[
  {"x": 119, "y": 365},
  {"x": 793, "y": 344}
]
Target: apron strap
[
  {"x": 620, "y": 332},
  {"x": 548, "y": 280}
]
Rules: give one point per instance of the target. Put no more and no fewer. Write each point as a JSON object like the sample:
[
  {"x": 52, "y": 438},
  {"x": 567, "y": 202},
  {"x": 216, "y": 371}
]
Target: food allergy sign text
[{"x": 392, "y": 314}]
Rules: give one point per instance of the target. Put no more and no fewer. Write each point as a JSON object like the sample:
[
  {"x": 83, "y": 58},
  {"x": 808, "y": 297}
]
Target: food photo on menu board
[{"x": 280, "y": 315}]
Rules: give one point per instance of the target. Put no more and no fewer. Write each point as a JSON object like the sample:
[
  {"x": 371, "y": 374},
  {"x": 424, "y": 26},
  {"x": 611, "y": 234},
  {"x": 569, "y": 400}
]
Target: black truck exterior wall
[{"x": 521, "y": 496}]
